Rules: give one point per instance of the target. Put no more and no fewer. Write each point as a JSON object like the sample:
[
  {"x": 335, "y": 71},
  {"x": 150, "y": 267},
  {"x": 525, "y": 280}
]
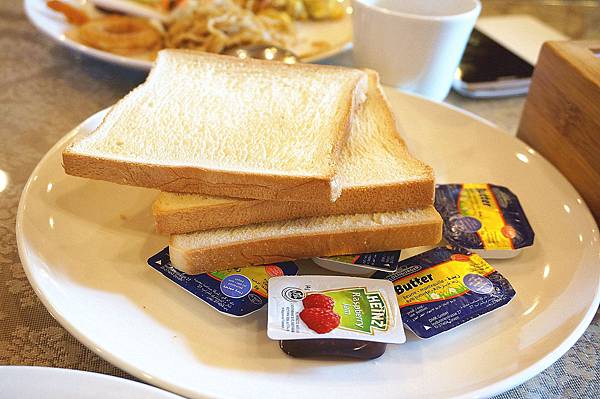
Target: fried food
[
  {"x": 73, "y": 15},
  {"x": 121, "y": 35},
  {"x": 217, "y": 25}
]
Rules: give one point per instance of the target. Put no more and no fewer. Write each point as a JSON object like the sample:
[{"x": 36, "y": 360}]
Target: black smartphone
[{"x": 488, "y": 69}]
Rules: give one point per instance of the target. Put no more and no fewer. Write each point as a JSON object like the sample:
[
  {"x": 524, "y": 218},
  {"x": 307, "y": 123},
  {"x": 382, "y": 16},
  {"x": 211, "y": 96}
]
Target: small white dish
[
  {"x": 84, "y": 246},
  {"x": 317, "y": 40},
  {"x": 24, "y": 382}
]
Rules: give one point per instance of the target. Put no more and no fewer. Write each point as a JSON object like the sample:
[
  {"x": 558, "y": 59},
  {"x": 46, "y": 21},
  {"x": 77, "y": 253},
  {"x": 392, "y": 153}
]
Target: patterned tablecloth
[{"x": 45, "y": 91}]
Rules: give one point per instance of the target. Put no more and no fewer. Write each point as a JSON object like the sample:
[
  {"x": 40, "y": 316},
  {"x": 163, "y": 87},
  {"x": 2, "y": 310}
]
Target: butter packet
[
  {"x": 483, "y": 218},
  {"x": 335, "y": 307},
  {"x": 360, "y": 264},
  {"x": 235, "y": 292},
  {"x": 445, "y": 287}
]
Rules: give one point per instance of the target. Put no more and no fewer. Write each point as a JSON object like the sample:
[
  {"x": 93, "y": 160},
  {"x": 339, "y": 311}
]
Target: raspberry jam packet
[
  {"x": 361, "y": 264},
  {"x": 235, "y": 292},
  {"x": 317, "y": 307},
  {"x": 445, "y": 287},
  {"x": 483, "y": 218}
]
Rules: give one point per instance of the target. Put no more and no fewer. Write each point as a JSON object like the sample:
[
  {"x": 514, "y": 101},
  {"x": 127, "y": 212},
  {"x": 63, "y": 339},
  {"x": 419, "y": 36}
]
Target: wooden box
[{"x": 561, "y": 118}]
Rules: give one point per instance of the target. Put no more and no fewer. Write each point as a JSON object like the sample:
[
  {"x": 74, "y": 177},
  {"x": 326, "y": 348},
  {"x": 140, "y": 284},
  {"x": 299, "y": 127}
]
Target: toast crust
[
  {"x": 194, "y": 179},
  {"x": 321, "y": 187},
  {"x": 291, "y": 247},
  {"x": 237, "y": 212}
]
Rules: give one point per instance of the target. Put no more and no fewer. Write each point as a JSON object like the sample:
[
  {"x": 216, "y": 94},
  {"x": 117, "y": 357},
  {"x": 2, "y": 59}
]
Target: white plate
[
  {"x": 337, "y": 33},
  {"x": 52, "y": 383},
  {"x": 84, "y": 246}
]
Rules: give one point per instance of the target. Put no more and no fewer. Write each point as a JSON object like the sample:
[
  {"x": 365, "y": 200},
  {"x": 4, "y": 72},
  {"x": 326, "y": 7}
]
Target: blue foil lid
[{"x": 234, "y": 292}]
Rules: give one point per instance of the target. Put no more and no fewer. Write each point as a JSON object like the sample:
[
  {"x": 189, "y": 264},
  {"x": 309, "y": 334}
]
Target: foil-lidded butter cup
[
  {"x": 446, "y": 287},
  {"x": 483, "y": 218},
  {"x": 234, "y": 292}
]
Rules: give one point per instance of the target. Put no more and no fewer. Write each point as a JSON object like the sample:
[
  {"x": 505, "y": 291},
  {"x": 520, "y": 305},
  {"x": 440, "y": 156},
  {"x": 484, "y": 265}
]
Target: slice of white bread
[
  {"x": 376, "y": 172},
  {"x": 218, "y": 125},
  {"x": 225, "y": 248}
]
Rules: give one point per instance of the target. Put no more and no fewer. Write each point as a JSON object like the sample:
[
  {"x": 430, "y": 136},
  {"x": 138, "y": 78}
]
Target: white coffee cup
[{"x": 415, "y": 45}]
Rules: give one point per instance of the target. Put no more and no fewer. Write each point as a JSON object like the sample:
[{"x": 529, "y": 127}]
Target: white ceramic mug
[{"x": 415, "y": 45}]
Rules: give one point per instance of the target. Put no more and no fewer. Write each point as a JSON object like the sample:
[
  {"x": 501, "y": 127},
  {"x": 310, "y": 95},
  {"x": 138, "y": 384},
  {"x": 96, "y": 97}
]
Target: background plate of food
[{"x": 130, "y": 32}]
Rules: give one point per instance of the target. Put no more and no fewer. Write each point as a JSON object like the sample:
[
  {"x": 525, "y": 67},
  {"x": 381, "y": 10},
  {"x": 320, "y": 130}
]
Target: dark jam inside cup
[{"x": 333, "y": 348}]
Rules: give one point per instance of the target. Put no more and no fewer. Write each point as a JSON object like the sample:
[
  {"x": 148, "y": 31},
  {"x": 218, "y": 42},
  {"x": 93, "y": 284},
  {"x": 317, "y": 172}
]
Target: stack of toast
[{"x": 261, "y": 162}]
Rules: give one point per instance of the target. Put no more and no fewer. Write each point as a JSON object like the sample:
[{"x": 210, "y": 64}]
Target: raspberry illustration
[
  {"x": 318, "y": 301},
  {"x": 320, "y": 320}
]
